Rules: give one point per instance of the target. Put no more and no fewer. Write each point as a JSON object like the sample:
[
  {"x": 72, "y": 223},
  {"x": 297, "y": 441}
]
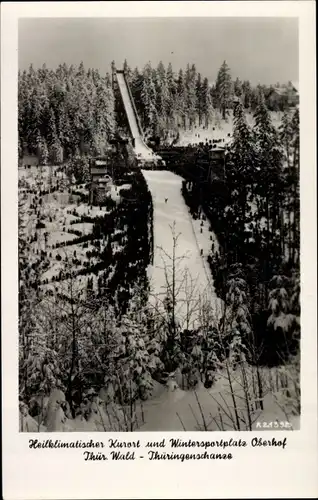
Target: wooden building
[
  {"x": 101, "y": 178},
  {"x": 217, "y": 164},
  {"x": 278, "y": 98}
]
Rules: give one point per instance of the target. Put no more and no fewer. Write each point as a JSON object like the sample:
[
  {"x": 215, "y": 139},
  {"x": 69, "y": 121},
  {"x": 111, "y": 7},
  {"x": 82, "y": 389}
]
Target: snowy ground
[
  {"x": 219, "y": 130},
  {"x": 60, "y": 211},
  {"x": 193, "y": 279},
  {"x": 172, "y": 409},
  {"x": 213, "y": 409}
]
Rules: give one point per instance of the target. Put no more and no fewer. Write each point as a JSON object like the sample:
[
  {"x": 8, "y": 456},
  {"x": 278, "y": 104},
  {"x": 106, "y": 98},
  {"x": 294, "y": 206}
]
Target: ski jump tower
[{"x": 146, "y": 158}]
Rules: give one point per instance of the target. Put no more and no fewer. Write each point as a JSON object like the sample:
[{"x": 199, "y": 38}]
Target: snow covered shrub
[
  {"x": 237, "y": 321},
  {"x": 79, "y": 168},
  {"x": 284, "y": 318},
  {"x": 133, "y": 374},
  {"x": 43, "y": 370},
  {"x": 200, "y": 357}
]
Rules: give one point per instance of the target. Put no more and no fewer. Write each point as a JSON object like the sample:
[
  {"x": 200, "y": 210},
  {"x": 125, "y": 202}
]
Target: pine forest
[{"x": 172, "y": 302}]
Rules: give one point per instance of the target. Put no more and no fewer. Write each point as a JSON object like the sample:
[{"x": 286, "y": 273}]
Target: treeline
[
  {"x": 166, "y": 99},
  {"x": 71, "y": 110},
  {"x": 256, "y": 217},
  {"x": 62, "y": 112}
]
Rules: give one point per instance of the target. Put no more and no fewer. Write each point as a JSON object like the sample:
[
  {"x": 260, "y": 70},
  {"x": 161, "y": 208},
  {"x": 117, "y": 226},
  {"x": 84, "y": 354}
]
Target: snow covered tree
[
  {"x": 162, "y": 92},
  {"x": 270, "y": 185},
  {"x": 134, "y": 375},
  {"x": 66, "y": 108},
  {"x": 241, "y": 173},
  {"x": 295, "y": 185},
  {"x": 247, "y": 91},
  {"x": 284, "y": 315},
  {"x": 127, "y": 71},
  {"x": 148, "y": 96},
  {"x": 238, "y": 319},
  {"x": 43, "y": 151},
  {"x": 238, "y": 89},
  {"x": 181, "y": 98},
  {"x": 212, "y": 355},
  {"x": 207, "y": 104},
  {"x": 224, "y": 89},
  {"x": 51, "y": 127},
  {"x": 56, "y": 153},
  {"x": 171, "y": 84},
  {"x": 286, "y": 135},
  {"x": 199, "y": 97},
  {"x": 191, "y": 98}
]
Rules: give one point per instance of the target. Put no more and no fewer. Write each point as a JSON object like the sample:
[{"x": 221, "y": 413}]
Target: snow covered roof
[
  {"x": 105, "y": 179},
  {"x": 282, "y": 90},
  {"x": 100, "y": 163},
  {"x": 278, "y": 90}
]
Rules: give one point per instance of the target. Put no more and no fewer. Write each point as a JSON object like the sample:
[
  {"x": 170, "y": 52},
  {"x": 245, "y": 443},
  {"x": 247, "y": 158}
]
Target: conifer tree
[
  {"x": 207, "y": 105},
  {"x": 127, "y": 70},
  {"x": 43, "y": 151},
  {"x": 199, "y": 97},
  {"x": 286, "y": 138},
  {"x": 66, "y": 108},
  {"x": 162, "y": 91},
  {"x": 246, "y": 90},
  {"x": 224, "y": 89},
  {"x": 270, "y": 187},
  {"x": 171, "y": 84},
  {"x": 171, "y": 96},
  {"x": 241, "y": 172},
  {"x": 295, "y": 184},
  {"x": 238, "y": 90},
  {"x": 148, "y": 95},
  {"x": 191, "y": 98},
  {"x": 181, "y": 98},
  {"x": 286, "y": 135}
]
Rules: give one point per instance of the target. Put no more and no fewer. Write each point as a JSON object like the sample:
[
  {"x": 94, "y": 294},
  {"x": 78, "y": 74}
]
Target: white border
[{"x": 63, "y": 474}]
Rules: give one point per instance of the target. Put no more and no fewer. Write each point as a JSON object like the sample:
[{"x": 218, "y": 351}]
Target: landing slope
[{"x": 193, "y": 279}]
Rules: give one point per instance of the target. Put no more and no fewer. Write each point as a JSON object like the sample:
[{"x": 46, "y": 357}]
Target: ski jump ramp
[
  {"x": 195, "y": 289},
  {"x": 145, "y": 156}
]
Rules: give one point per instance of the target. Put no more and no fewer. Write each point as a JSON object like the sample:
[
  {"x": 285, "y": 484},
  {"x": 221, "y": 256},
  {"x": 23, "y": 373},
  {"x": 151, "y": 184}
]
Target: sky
[{"x": 262, "y": 50}]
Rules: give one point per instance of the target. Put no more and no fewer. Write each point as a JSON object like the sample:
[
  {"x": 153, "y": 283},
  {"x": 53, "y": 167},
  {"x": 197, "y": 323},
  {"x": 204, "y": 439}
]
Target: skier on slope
[{"x": 166, "y": 199}]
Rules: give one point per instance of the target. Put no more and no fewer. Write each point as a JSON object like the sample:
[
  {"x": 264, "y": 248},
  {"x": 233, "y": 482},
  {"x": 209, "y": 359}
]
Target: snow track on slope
[{"x": 165, "y": 185}]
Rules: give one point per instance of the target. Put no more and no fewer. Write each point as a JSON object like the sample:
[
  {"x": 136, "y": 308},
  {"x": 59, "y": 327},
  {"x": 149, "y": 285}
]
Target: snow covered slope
[
  {"x": 220, "y": 130},
  {"x": 193, "y": 278},
  {"x": 199, "y": 410}
]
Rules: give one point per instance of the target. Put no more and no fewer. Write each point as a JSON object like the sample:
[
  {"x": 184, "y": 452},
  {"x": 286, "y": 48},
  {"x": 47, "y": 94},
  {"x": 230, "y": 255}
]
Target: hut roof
[{"x": 99, "y": 170}]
